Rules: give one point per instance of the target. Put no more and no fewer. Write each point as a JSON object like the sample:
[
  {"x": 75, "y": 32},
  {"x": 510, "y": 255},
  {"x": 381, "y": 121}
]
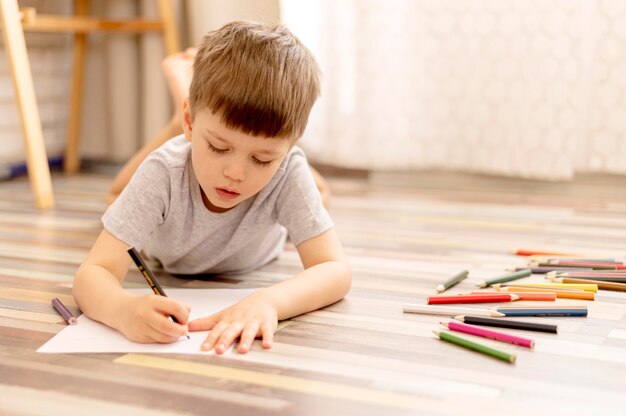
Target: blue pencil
[{"x": 543, "y": 311}]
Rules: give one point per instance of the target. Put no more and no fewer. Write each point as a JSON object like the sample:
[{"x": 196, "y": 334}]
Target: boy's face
[{"x": 230, "y": 166}]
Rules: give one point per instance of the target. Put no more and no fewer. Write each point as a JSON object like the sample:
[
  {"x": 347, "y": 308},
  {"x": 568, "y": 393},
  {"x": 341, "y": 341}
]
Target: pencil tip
[
  {"x": 440, "y": 288},
  {"x": 460, "y": 318}
]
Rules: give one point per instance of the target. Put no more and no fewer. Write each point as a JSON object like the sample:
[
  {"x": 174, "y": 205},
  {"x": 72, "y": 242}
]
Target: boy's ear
[{"x": 187, "y": 124}]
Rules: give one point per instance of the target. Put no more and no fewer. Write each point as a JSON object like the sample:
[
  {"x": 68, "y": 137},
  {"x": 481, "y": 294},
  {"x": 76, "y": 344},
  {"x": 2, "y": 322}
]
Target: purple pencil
[{"x": 62, "y": 309}]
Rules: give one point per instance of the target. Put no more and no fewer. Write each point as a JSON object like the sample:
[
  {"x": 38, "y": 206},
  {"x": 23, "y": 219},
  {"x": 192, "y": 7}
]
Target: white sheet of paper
[{"x": 89, "y": 336}]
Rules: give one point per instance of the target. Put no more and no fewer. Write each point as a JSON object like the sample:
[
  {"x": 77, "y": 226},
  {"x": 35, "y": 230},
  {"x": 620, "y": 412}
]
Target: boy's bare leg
[{"x": 178, "y": 70}]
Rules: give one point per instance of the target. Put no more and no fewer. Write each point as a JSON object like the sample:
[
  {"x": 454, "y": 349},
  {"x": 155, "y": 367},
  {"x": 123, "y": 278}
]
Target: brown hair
[{"x": 259, "y": 77}]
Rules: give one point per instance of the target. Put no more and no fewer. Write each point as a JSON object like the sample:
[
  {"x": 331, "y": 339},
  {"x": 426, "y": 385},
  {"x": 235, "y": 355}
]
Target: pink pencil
[{"x": 486, "y": 333}]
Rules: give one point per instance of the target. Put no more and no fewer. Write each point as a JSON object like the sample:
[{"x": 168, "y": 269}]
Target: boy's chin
[{"x": 217, "y": 206}]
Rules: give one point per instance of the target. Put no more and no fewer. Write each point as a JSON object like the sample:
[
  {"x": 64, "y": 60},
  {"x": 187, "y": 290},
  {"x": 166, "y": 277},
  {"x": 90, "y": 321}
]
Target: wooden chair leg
[
  {"x": 71, "y": 162},
  {"x": 36, "y": 159},
  {"x": 170, "y": 34}
]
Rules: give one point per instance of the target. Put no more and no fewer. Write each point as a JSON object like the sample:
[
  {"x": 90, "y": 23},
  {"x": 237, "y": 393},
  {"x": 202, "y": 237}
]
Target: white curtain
[{"x": 525, "y": 88}]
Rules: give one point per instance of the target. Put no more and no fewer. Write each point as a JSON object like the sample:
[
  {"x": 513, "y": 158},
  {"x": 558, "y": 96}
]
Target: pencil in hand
[{"x": 149, "y": 276}]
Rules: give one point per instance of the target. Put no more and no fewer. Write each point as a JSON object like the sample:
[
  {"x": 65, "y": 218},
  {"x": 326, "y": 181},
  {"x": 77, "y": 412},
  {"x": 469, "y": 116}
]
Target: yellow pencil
[{"x": 560, "y": 293}]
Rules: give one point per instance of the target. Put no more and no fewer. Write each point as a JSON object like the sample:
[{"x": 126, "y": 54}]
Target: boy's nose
[{"x": 235, "y": 172}]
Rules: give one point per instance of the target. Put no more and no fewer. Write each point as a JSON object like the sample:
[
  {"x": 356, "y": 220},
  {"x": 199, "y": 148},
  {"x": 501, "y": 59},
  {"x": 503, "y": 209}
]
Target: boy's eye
[
  {"x": 261, "y": 162},
  {"x": 216, "y": 149}
]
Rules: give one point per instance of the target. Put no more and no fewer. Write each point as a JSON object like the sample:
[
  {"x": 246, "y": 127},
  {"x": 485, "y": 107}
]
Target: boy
[
  {"x": 221, "y": 197},
  {"x": 177, "y": 69}
]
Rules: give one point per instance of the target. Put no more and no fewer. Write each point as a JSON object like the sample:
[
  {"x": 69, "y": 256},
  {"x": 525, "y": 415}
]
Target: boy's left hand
[{"x": 249, "y": 318}]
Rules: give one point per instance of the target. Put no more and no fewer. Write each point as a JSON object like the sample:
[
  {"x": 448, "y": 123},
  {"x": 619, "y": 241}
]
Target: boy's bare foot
[{"x": 178, "y": 70}]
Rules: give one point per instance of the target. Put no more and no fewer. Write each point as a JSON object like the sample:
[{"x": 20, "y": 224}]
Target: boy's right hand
[{"x": 146, "y": 318}]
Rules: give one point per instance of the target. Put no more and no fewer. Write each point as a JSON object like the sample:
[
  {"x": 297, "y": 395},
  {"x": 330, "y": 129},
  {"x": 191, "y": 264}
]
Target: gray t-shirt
[{"x": 161, "y": 211}]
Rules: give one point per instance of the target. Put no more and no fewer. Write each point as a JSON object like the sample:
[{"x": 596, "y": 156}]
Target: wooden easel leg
[
  {"x": 36, "y": 159},
  {"x": 170, "y": 34},
  {"x": 71, "y": 162}
]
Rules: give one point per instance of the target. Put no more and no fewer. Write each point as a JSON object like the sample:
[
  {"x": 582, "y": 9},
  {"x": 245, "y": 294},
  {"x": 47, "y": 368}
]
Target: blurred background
[{"x": 520, "y": 88}]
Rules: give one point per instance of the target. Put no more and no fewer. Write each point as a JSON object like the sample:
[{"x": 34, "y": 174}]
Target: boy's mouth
[{"x": 226, "y": 194}]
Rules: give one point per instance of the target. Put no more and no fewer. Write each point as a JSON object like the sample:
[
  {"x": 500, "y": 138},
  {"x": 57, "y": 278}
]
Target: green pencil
[
  {"x": 464, "y": 342},
  {"x": 452, "y": 281},
  {"x": 505, "y": 278}
]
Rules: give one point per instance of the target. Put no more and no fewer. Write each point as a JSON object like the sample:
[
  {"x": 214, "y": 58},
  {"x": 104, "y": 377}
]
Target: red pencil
[
  {"x": 547, "y": 296},
  {"x": 482, "y": 298}
]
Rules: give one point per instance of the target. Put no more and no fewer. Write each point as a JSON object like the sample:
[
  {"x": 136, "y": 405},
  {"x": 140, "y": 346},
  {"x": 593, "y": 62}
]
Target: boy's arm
[
  {"x": 98, "y": 292},
  {"x": 326, "y": 278}
]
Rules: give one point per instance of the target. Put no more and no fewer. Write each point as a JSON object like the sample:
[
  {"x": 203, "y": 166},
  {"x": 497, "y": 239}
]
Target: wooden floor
[{"x": 362, "y": 356}]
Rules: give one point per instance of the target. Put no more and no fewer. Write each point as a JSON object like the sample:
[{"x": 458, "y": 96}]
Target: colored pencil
[
  {"x": 543, "y": 311},
  {"x": 551, "y": 306},
  {"x": 507, "y": 323},
  {"x": 149, "y": 276},
  {"x": 547, "y": 269},
  {"x": 586, "y": 259},
  {"x": 447, "y": 310},
  {"x": 542, "y": 296},
  {"x": 478, "y": 298},
  {"x": 489, "y": 334},
  {"x": 617, "y": 278},
  {"x": 63, "y": 311},
  {"x": 505, "y": 278},
  {"x": 563, "y": 294},
  {"x": 618, "y": 287},
  {"x": 592, "y": 264},
  {"x": 581, "y": 264},
  {"x": 527, "y": 252},
  {"x": 585, "y": 287},
  {"x": 475, "y": 346},
  {"x": 452, "y": 281}
]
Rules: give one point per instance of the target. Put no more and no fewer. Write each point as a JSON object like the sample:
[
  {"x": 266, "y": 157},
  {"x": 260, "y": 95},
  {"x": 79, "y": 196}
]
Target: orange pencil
[
  {"x": 547, "y": 296},
  {"x": 524, "y": 252},
  {"x": 564, "y": 294}
]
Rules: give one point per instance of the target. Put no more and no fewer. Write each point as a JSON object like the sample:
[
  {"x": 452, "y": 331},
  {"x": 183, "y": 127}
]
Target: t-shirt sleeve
[
  {"x": 142, "y": 205},
  {"x": 299, "y": 205}
]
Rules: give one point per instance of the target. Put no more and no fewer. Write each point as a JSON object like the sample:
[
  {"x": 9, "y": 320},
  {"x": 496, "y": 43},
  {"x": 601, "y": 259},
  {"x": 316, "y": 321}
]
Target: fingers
[
  {"x": 204, "y": 324},
  {"x": 267, "y": 333},
  {"x": 170, "y": 307},
  {"x": 159, "y": 318},
  {"x": 215, "y": 333},
  {"x": 167, "y": 330},
  {"x": 228, "y": 337},
  {"x": 247, "y": 337}
]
